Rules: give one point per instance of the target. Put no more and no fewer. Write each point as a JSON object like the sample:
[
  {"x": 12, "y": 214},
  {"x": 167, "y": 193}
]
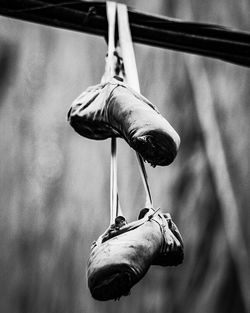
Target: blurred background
[{"x": 54, "y": 184}]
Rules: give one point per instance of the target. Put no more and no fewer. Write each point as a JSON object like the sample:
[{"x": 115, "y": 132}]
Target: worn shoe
[
  {"x": 115, "y": 110},
  {"x": 121, "y": 257},
  {"x": 171, "y": 240}
]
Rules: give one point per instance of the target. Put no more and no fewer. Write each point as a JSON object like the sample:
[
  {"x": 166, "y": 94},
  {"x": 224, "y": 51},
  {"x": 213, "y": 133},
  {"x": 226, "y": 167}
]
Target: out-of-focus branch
[
  {"x": 216, "y": 155},
  {"x": 90, "y": 17}
]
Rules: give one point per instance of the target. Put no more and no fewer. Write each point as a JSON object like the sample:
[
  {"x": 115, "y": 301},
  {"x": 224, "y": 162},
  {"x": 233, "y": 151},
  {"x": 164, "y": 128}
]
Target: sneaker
[
  {"x": 115, "y": 110},
  {"x": 121, "y": 257}
]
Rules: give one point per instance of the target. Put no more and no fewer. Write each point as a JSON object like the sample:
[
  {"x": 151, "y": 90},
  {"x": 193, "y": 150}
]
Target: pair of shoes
[
  {"x": 113, "y": 109},
  {"x": 122, "y": 255}
]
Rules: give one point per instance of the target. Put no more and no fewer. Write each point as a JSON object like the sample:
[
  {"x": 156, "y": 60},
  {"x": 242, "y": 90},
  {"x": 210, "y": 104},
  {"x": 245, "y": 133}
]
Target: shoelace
[
  {"x": 131, "y": 76},
  {"x": 164, "y": 219}
]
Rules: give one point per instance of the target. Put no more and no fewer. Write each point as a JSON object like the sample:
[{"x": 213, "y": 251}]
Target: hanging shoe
[
  {"x": 171, "y": 240},
  {"x": 114, "y": 110},
  {"x": 121, "y": 257}
]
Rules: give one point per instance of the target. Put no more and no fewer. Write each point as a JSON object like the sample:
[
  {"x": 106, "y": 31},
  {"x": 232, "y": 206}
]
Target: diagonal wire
[
  {"x": 208, "y": 40},
  {"x": 45, "y": 6}
]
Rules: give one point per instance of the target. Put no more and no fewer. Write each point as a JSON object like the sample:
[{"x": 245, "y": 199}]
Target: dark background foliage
[{"x": 54, "y": 184}]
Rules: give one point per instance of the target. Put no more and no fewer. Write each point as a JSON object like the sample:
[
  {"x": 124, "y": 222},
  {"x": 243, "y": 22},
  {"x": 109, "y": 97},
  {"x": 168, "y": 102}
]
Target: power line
[{"x": 90, "y": 17}]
